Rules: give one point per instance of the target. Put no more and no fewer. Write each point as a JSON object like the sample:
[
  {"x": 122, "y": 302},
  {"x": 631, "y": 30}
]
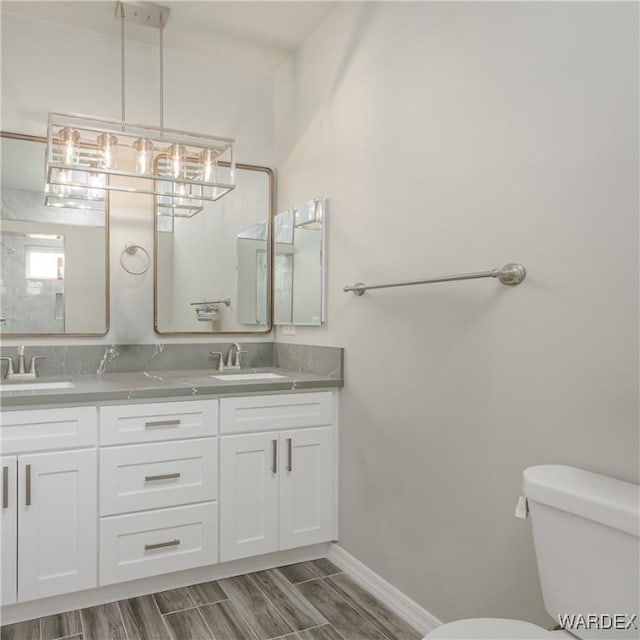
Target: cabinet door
[
  {"x": 248, "y": 495},
  {"x": 57, "y": 523},
  {"x": 306, "y": 487},
  {"x": 9, "y": 530}
]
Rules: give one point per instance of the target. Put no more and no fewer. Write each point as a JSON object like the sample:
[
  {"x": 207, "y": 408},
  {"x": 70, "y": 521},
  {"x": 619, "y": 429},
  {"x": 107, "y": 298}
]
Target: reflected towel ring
[{"x": 131, "y": 248}]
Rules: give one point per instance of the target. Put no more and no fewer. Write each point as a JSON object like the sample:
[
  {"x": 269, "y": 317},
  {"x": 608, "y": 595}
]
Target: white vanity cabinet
[
  {"x": 56, "y": 523},
  {"x": 94, "y": 496},
  {"x": 9, "y": 530},
  {"x": 49, "y": 522},
  {"x": 276, "y": 486},
  {"x": 158, "y": 488}
]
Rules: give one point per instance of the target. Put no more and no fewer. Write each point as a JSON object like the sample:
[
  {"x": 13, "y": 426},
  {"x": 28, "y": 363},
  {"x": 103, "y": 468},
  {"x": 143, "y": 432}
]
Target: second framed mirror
[{"x": 213, "y": 269}]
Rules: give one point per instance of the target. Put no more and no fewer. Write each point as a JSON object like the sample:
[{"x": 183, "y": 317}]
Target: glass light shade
[
  {"x": 177, "y": 156},
  {"x": 143, "y": 155},
  {"x": 107, "y": 146},
  {"x": 183, "y": 170},
  {"x": 69, "y": 145},
  {"x": 208, "y": 165},
  {"x": 77, "y": 190}
]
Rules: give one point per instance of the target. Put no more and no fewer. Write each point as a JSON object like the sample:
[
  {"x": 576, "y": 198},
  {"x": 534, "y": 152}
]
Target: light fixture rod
[
  {"x": 161, "y": 71},
  {"x": 122, "y": 67}
]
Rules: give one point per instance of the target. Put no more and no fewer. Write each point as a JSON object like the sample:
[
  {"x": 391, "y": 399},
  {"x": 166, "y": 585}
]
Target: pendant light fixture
[{"x": 88, "y": 156}]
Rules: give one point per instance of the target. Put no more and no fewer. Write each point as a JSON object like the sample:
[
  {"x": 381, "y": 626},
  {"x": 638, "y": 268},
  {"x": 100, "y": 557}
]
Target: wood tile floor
[{"x": 307, "y": 601}]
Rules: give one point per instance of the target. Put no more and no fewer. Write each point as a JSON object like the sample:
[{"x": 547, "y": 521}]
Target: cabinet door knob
[{"x": 289, "y": 455}]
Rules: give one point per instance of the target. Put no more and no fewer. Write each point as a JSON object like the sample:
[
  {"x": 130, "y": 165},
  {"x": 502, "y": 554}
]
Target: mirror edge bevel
[
  {"x": 270, "y": 250},
  {"x": 107, "y": 222}
]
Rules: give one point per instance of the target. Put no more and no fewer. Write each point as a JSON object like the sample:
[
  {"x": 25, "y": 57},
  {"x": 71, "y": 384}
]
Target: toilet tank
[{"x": 586, "y": 532}]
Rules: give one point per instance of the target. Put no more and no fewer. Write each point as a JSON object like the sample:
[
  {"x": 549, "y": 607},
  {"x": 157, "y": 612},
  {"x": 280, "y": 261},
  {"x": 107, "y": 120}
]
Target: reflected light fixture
[
  {"x": 309, "y": 215},
  {"x": 87, "y": 156}
]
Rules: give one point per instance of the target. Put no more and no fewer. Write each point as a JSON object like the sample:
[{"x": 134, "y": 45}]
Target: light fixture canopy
[{"x": 88, "y": 156}]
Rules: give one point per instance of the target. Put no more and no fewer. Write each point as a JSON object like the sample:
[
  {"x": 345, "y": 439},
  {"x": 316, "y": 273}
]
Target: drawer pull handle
[
  {"x": 161, "y": 545},
  {"x": 289, "y": 455},
  {"x": 162, "y": 476},
  {"x": 28, "y": 484},
  {"x": 274, "y": 456},
  {"x": 5, "y": 487},
  {"x": 161, "y": 423}
]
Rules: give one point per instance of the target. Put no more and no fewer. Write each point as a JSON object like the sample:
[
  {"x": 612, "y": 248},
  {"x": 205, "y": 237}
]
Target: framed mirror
[
  {"x": 54, "y": 260},
  {"x": 300, "y": 264},
  {"x": 213, "y": 270}
]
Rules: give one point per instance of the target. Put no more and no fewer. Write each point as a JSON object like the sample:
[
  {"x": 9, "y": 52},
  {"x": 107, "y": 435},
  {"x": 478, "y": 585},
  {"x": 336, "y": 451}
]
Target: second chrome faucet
[{"x": 233, "y": 358}]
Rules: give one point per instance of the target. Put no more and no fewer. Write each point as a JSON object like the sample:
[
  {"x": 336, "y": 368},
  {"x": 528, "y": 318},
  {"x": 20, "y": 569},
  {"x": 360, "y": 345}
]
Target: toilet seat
[{"x": 490, "y": 629}]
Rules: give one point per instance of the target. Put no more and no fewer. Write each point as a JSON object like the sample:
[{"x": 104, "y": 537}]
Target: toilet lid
[{"x": 489, "y": 629}]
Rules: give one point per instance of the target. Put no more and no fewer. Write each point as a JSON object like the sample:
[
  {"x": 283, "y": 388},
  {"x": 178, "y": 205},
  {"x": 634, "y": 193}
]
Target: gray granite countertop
[{"x": 140, "y": 385}]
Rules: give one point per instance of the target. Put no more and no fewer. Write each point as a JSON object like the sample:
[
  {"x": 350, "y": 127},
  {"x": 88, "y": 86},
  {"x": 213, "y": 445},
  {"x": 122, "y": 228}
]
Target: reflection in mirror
[
  {"x": 213, "y": 270},
  {"x": 300, "y": 264},
  {"x": 53, "y": 260}
]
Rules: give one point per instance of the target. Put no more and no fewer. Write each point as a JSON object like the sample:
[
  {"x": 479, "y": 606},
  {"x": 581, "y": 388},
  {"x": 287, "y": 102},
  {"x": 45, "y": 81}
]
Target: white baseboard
[{"x": 418, "y": 617}]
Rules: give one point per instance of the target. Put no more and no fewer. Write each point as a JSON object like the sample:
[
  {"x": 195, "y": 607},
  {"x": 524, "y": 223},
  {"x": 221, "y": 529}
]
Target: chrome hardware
[
  {"x": 161, "y": 545},
  {"x": 274, "y": 456},
  {"x": 33, "y": 368},
  {"x": 234, "y": 362},
  {"x": 130, "y": 249},
  {"x": 22, "y": 373},
  {"x": 161, "y": 423},
  {"x": 21, "y": 368},
  {"x": 220, "y": 366},
  {"x": 162, "y": 476},
  {"x": 10, "y": 372},
  {"x": 28, "y": 484},
  {"x": 224, "y": 301},
  {"x": 5, "y": 487},
  {"x": 289, "y": 455},
  {"x": 511, "y": 274}
]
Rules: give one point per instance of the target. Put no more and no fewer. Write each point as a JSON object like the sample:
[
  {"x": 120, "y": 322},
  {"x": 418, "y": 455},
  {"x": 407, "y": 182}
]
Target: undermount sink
[
  {"x": 36, "y": 386},
  {"x": 230, "y": 377}
]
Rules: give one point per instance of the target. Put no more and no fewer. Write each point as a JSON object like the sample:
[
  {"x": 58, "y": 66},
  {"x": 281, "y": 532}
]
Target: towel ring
[{"x": 131, "y": 248}]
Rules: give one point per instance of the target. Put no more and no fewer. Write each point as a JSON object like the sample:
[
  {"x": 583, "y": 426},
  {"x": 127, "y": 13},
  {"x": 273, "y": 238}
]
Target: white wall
[
  {"x": 50, "y": 67},
  {"x": 456, "y": 137}
]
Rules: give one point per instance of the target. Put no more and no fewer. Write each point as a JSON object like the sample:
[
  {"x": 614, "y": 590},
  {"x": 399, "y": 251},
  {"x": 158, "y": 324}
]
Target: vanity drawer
[
  {"x": 284, "y": 411},
  {"x": 163, "y": 474},
  {"x": 148, "y": 544},
  {"x": 39, "y": 429},
  {"x": 129, "y": 423}
]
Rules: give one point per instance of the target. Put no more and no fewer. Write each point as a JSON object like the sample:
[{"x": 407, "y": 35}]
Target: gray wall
[{"x": 456, "y": 137}]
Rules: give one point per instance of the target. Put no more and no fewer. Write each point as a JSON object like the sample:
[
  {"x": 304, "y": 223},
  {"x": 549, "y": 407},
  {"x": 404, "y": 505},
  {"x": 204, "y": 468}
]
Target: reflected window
[{"x": 44, "y": 263}]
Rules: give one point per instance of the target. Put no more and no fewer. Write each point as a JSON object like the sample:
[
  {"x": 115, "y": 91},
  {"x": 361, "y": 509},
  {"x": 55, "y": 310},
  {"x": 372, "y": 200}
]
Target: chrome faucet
[
  {"x": 22, "y": 373},
  {"x": 233, "y": 358},
  {"x": 234, "y": 363}
]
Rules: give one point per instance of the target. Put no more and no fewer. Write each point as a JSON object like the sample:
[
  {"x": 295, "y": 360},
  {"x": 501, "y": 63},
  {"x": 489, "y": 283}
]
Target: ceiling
[{"x": 257, "y": 34}]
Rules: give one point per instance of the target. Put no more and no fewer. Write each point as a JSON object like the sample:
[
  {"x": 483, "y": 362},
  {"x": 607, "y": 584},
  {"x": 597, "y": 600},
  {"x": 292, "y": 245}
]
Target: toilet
[{"x": 586, "y": 533}]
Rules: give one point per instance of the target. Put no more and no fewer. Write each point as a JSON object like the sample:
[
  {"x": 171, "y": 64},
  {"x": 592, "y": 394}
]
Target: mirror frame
[
  {"x": 107, "y": 218},
  {"x": 270, "y": 251}
]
